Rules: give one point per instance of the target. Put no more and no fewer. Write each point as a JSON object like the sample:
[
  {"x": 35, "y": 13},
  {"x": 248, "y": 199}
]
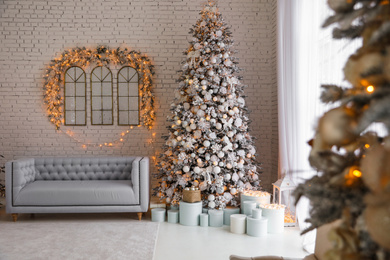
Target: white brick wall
[{"x": 34, "y": 32}]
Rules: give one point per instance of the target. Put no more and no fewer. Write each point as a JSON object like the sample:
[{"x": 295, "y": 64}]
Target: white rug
[{"x": 79, "y": 236}]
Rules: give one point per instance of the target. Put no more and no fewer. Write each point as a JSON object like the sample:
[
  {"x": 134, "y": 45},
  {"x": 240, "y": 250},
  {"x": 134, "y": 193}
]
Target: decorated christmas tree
[
  {"x": 353, "y": 160},
  {"x": 209, "y": 145}
]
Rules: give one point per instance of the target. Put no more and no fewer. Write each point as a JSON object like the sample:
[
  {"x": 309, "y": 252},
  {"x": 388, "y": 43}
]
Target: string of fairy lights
[{"x": 100, "y": 56}]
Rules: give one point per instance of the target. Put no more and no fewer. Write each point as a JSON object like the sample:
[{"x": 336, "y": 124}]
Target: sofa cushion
[
  {"x": 99, "y": 168},
  {"x": 77, "y": 193}
]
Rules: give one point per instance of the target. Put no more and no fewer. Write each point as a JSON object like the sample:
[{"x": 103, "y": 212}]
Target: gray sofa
[{"x": 77, "y": 185}]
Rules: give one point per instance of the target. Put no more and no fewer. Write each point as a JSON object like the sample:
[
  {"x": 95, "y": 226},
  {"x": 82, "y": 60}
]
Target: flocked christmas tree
[
  {"x": 209, "y": 145},
  {"x": 354, "y": 164}
]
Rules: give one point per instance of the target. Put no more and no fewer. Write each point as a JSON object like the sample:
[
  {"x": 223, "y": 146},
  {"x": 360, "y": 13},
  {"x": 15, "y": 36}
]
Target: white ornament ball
[
  {"x": 188, "y": 129},
  {"x": 227, "y": 196},
  {"x": 205, "y": 63},
  {"x": 228, "y": 63},
  {"x": 211, "y": 197},
  {"x": 184, "y": 124},
  {"x": 200, "y": 113},
  {"x": 193, "y": 155},
  {"x": 226, "y": 55},
  {"x": 186, "y": 168},
  {"x": 211, "y": 204},
  {"x": 218, "y": 126},
  {"x": 220, "y": 190},
  {"x": 168, "y": 200},
  {"x": 231, "y": 112},
  {"x": 193, "y": 126},
  {"x": 236, "y": 110},
  {"x": 197, "y": 169},
  {"x": 207, "y": 157},
  {"x": 222, "y": 45},
  {"x": 198, "y": 134},
  {"x": 216, "y": 169},
  {"x": 221, "y": 164},
  {"x": 230, "y": 134},
  {"x": 221, "y": 108},
  {"x": 233, "y": 191},
  {"x": 221, "y": 154},
  {"x": 178, "y": 138},
  {"x": 229, "y": 166},
  {"x": 235, "y": 177},
  {"x": 186, "y": 106},
  {"x": 203, "y": 107},
  {"x": 228, "y": 177},
  {"x": 213, "y": 60},
  {"x": 218, "y": 33},
  {"x": 210, "y": 73},
  {"x": 203, "y": 82},
  {"x": 206, "y": 143},
  {"x": 238, "y": 122}
]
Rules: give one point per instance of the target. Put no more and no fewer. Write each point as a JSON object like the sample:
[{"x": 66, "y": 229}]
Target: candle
[
  {"x": 275, "y": 215},
  {"x": 260, "y": 197}
]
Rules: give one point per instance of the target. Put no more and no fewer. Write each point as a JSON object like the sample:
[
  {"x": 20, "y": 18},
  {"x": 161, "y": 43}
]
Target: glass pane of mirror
[{"x": 128, "y": 94}]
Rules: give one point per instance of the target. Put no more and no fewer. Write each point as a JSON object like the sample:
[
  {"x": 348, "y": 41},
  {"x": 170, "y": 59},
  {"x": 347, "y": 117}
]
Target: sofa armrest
[
  {"x": 144, "y": 183},
  {"x": 18, "y": 174},
  {"x": 140, "y": 181}
]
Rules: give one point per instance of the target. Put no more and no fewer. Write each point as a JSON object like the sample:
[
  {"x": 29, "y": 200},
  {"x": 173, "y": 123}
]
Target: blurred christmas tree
[
  {"x": 354, "y": 164},
  {"x": 208, "y": 144}
]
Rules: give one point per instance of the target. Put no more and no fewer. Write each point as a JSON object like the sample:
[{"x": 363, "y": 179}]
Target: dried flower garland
[{"x": 101, "y": 56}]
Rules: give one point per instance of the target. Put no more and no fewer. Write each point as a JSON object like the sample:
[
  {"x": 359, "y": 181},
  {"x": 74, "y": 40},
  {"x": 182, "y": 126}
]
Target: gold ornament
[
  {"x": 358, "y": 67},
  {"x": 377, "y": 218},
  {"x": 386, "y": 67},
  {"x": 341, "y": 6},
  {"x": 345, "y": 241},
  {"x": 376, "y": 168},
  {"x": 337, "y": 126}
]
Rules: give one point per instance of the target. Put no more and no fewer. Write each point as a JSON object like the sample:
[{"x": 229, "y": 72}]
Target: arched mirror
[
  {"x": 128, "y": 96},
  {"x": 75, "y": 96}
]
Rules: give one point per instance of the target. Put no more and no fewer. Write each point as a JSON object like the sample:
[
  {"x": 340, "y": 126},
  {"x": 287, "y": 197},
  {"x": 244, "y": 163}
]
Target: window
[
  {"x": 128, "y": 96},
  {"x": 75, "y": 96},
  {"x": 101, "y": 96}
]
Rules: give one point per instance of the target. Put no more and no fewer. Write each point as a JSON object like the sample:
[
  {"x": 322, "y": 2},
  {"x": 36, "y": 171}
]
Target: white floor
[{"x": 177, "y": 242}]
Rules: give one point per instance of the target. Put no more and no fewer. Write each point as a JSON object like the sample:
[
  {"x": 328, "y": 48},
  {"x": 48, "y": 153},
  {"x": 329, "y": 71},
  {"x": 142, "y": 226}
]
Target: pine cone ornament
[
  {"x": 341, "y": 6},
  {"x": 337, "y": 126}
]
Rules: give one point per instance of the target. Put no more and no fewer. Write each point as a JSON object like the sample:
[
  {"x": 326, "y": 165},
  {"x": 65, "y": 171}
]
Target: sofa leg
[
  {"x": 139, "y": 215},
  {"x": 14, "y": 217}
]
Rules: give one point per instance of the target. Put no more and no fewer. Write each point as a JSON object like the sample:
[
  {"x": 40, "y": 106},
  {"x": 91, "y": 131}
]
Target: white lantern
[{"x": 282, "y": 193}]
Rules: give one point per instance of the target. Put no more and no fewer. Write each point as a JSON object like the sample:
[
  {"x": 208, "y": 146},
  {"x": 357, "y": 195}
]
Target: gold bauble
[
  {"x": 377, "y": 219},
  {"x": 341, "y": 6},
  {"x": 386, "y": 67},
  {"x": 362, "y": 63},
  {"x": 375, "y": 168},
  {"x": 337, "y": 126}
]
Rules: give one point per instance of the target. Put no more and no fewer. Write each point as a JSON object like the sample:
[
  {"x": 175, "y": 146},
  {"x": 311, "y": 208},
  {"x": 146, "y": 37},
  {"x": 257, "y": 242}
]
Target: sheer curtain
[{"x": 307, "y": 58}]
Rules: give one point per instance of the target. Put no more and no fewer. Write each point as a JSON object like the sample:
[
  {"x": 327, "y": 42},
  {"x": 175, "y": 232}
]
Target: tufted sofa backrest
[{"x": 97, "y": 168}]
